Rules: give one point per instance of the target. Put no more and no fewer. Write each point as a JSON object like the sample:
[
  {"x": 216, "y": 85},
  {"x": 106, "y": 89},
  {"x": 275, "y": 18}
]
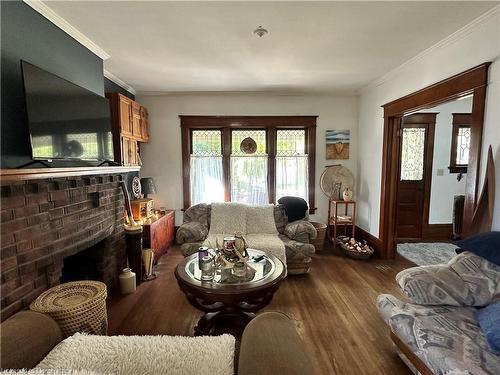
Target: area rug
[
  {"x": 425, "y": 254},
  {"x": 146, "y": 355}
]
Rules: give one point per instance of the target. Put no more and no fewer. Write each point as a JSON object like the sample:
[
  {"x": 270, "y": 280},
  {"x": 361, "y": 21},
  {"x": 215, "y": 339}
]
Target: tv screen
[{"x": 66, "y": 121}]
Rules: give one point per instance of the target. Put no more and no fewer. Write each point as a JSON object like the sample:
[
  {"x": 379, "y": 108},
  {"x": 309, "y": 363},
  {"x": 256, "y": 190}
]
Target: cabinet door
[
  {"x": 144, "y": 124},
  {"x": 129, "y": 151},
  {"x": 125, "y": 110},
  {"x": 136, "y": 120}
]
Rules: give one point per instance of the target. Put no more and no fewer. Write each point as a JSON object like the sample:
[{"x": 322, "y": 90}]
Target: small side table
[{"x": 341, "y": 214}]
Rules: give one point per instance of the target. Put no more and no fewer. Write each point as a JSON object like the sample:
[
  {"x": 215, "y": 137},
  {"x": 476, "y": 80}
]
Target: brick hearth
[{"x": 45, "y": 221}]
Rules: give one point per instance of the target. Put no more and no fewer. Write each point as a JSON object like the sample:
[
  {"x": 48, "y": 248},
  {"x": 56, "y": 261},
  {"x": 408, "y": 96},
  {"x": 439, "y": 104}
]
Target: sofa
[
  {"x": 436, "y": 331},
  {"x": 294, "y": 236},
  {"x": 270, "y": 345}
]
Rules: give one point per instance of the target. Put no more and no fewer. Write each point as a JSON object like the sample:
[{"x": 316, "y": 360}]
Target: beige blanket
[{"x": 255, "y": 222}]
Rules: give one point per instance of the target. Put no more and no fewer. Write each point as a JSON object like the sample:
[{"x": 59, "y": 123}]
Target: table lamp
[{"x": 148, "y": 186}]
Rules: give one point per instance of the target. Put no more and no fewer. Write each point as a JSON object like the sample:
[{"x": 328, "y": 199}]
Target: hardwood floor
[{"x": 333, "y": 306}]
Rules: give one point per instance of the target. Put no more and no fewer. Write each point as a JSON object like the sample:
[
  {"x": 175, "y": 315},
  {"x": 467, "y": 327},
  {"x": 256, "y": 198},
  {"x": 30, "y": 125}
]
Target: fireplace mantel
[{"x": 39, "y": 173}]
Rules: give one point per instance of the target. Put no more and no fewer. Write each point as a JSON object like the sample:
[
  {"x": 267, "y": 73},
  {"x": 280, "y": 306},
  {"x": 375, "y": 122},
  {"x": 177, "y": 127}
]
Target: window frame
[
  {"x": 460, "y": 120},
  {"x": 269, "y": 123}
]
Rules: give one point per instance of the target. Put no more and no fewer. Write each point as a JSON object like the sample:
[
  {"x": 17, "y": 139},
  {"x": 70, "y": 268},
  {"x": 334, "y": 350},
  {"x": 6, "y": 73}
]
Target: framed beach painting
[{"x": 337, "y": 144}]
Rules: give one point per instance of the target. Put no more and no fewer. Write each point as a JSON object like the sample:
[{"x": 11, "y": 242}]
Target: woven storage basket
[
  {"x": 77, "y": 306},
  {"x": 319, "y": 241},
  {"x": 356, "y": 254}
]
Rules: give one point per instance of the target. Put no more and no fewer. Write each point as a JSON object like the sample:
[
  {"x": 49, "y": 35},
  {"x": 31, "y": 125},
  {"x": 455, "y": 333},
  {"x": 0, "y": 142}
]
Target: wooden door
[
  {"x": 125, "y": 110},
  {"x": 415, "y": 170}
]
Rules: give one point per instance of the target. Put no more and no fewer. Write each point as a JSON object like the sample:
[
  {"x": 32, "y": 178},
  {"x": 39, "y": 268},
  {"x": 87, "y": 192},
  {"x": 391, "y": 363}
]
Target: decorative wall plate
[
  {"x": 334, "y": 180},
  {"x": 248, "y": 146},
  {"x": 136, "y": 187}
]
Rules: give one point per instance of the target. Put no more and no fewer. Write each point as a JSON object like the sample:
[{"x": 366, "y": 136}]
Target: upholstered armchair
[{"x": 295, "y": 235}]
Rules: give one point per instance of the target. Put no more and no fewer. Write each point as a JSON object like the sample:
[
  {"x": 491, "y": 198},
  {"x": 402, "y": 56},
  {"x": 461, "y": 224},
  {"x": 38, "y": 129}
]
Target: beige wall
[
  {"x": 475, "y": 44},
  {"x": 162, "y": 155}
]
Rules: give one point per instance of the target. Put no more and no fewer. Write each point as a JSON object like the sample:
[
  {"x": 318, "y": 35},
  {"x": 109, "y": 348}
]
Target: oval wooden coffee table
[{"x": 226, "y": 294}]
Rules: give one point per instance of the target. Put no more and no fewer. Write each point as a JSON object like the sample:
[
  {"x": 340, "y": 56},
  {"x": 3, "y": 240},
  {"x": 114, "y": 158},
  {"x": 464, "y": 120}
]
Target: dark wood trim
[
  {"x": 428, "y": 119},
  {"x": 186, "y": 167},
  {"x": 226, "y": 163},
  {"x": 412, "y": 357},
  {"x": 209, "y": 122},
  {"x": 441, "y": 232},
  {"x": 311, "y": 151},
  {"x": 459, "y": 85},
  {"x": 370, "y": 239},
  {"x": 39, "y": 173},
  {"x": 460, "y": 120},
  {"x": 270, "y": 124},
  {"x": 471, "y": 81},
  {"x": 271, "y": 163}
]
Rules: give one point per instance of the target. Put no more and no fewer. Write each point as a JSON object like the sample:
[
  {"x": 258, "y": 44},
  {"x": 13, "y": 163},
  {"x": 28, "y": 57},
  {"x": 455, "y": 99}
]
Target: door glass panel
[{"x": 412, "y": 154}]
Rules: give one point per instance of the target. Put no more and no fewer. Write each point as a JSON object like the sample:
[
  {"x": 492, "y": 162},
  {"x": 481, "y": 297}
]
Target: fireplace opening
[{"x": 83, "y": 265}]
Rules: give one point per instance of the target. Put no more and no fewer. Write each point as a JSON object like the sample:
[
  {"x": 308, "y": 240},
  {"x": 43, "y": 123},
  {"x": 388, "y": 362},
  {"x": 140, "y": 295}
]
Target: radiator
[{"x": 458, "y": 216}]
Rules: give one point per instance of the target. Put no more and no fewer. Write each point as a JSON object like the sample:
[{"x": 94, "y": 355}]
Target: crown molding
[
  {"x": 450, "y": 39},
  {"x": 65, "y": 26},
  {"x": 119, "y": 82}
]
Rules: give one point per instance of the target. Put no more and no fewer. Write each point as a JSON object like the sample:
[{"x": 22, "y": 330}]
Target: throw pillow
[
  {"x": 485, "y": 245},
  {"x": 295, "y": 208},
  {"x": 489, "y": 321}
]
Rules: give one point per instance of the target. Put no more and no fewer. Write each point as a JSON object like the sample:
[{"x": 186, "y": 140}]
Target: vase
[
  {"x": 127, "y": 281},
  {"x": 347, "y": 194}
]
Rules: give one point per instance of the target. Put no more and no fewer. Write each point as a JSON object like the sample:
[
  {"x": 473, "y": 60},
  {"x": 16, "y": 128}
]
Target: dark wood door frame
[
  {"x": 472, "y": 81},
  {"x": 428, "y": 118}
]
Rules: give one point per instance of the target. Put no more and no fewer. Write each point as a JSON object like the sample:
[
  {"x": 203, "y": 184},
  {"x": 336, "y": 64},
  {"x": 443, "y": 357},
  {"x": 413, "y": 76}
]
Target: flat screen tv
[{"x": 65, "y": 120}]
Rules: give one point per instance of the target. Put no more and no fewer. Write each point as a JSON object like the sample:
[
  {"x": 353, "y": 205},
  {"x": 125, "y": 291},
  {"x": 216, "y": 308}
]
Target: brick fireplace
[{"x": 45, "y": 221}]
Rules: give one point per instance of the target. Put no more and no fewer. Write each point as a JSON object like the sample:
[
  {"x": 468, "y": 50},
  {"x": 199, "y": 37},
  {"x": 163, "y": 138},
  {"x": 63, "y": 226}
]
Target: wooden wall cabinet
[{"x": 130, "y": 123}]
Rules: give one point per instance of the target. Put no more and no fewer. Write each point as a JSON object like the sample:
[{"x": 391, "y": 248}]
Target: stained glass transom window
[
  {"x": 259, "y": 136},
  {"x": 412, "y": 154},
  {"x": 463, "y": 145},
  {"x": 206, "y": 142},
  {"x": 291, "y": 142}
]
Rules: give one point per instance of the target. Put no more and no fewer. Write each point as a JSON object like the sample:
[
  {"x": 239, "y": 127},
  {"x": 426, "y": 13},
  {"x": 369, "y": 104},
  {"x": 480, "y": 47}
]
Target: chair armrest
[
  {"x": 301, "y": 230},
  {"x": 26, "y": 338},
  {"x": 467, "y": 280},
  {"x": 271, "y": 345},
  {"x": 191, "y": 232}
]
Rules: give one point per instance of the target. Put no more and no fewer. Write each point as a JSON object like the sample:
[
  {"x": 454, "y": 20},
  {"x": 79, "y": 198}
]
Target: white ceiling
[{"x": 311, "y": 46}]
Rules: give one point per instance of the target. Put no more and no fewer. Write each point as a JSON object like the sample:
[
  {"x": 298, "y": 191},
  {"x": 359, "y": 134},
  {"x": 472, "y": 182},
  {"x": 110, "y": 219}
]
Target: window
[
  {"x": 206, "y": 166},
  {"x": 460, "y": 142},
  {"x": 249, "y": 171},
  {"x": 291, "y": 164},
  {"x": 217, "y": 165}
]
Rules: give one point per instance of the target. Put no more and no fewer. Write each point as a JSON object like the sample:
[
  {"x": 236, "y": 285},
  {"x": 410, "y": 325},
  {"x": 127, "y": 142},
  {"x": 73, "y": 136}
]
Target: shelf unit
[{"x": 341, "y": 215}]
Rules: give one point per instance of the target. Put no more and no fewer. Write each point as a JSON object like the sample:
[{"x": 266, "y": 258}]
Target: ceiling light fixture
[{"x": 260, "y": 31}]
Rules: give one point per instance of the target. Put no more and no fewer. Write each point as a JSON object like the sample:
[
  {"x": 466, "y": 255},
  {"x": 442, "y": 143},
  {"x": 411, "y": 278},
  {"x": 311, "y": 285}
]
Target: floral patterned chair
[{"x": 295, "y": 236}]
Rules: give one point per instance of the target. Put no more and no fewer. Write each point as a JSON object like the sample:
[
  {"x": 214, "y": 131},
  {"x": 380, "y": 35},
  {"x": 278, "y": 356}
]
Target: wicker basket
[
  {"x": 78, "y": 306},
  {"x": 356, "y": 254},
  {"x": 319, "y": 241}
]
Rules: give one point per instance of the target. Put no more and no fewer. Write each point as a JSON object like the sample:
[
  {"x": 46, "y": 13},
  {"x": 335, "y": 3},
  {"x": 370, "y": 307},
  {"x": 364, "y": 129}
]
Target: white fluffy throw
[{"x": 147, "y": 355}]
